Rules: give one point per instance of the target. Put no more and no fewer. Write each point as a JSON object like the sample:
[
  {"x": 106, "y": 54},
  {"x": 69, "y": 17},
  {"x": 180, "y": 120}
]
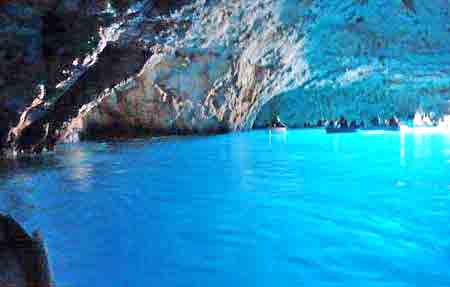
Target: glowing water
[{"x": 296, "y": 209}]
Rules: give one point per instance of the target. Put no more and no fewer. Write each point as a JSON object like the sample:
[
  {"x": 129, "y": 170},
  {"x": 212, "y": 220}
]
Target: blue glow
[{"x": 300, "y": 208}]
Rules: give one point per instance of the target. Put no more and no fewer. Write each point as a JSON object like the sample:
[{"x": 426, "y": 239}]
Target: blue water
[{"x": 298, "y": 209}]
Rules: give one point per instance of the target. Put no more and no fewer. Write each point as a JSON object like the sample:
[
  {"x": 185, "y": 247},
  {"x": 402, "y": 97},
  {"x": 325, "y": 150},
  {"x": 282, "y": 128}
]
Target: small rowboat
[
  {"x": 278, "y": 130},
  {"x": 340, "y": 130}
]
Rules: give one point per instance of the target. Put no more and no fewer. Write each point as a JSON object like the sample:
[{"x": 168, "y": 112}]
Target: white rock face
[{"x": 217, "y": 63}]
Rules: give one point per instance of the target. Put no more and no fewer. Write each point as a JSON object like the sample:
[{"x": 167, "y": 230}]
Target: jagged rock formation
[
  {"x": 40, "y": 39},
  {"x": 198, "y": 66},
  {"x": 23, "y": 259},
  {"x": 70, "y": 58}
]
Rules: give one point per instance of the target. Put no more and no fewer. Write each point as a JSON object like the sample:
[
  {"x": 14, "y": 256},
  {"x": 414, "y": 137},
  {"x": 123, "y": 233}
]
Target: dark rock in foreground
[{"x": 23, "y": 258}]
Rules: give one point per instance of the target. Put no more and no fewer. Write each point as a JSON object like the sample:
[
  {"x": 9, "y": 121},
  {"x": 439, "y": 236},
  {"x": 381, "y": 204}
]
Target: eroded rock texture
[
  {"x": 39, "y": 40},
  {"x": 198, "y": 66},
  {"x": 370, "y": 58}
]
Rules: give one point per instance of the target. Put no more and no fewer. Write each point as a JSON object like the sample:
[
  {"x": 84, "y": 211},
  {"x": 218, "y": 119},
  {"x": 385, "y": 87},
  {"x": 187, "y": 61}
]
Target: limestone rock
[
  {"x": 212, "y": 66},
  {"x": 23, "y": 258},
  {"x": 308, "y": 60}
]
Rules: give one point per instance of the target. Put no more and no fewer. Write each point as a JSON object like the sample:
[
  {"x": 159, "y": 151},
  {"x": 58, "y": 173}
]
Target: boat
[
  {"x": 278, "y": 130},
  {"x": 331, "y": 130}
]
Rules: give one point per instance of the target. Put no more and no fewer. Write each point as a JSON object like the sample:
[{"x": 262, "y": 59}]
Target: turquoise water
[{"x": 296, "y": 209}]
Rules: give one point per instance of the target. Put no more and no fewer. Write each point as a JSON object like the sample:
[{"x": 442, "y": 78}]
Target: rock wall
[
  {"x": 371, "y": 58},
  {"x": 23, "y": 258},
  {"x": 40, "y": 39},
  {"x": 74, "y": 51},
  {"x": 209, "y": 66},
  {"x": 210, "y": 71},
  {"x": 314, "y": 59}
]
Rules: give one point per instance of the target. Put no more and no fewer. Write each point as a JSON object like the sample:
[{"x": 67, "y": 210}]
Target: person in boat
[
  {"x": 319, "y": 123},
  {"x": 427, "y": 120},
  {"x": 376, "y": 121},
  {"x": 393, "y": 122},
  {"x": 331, "y": 124},
  {"x": 353, "y": 124},
  {"x": 277, "y": 123},
  {"x": 362, "y": 124},
  {"x": 343, "y": 124}
]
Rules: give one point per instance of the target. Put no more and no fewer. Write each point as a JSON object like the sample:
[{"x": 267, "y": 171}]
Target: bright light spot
[
  {"x": 400, "y": 184},
  {"x": 424, "y": 130},
  {"x": 380, "y": 132}
]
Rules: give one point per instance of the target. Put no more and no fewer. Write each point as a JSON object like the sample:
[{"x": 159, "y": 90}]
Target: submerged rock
[
  {"x": 213, "y": 66},
  {"x": 23, "y": 258}
]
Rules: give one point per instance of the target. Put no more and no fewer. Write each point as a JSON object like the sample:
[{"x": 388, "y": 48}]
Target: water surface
[{"x": 298, "y": 209}]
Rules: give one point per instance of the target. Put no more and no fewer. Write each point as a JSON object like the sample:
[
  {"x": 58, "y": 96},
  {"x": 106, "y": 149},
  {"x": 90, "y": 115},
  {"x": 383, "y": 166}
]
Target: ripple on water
[{"x": 306, "y": 209}]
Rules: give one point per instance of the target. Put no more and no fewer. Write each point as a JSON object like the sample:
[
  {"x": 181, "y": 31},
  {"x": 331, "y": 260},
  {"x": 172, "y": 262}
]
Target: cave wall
[
  {"x": 210, "y": 66},
  {"x": 23, "y": 257},
  {"x": 39, "y": 41},
  {"x": 310, "y": 59},
  {"x": 374, "y": 58},
  {"x": 57, "y": 56}
]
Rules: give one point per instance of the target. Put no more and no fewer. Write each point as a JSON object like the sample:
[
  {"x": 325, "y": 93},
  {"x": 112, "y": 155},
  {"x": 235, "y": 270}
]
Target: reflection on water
[
  {"x": 17, "y": 201},
  {"x": 277, "y": 137},
  {"x": 301, "y": 208},
  {"x": 402, "y": 148},
  {"x": 30, "y": 164}
]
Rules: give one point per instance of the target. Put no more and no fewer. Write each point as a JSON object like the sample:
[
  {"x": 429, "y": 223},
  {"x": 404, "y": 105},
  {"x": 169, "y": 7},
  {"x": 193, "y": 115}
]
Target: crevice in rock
[{"x": 120, "y": 64}]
